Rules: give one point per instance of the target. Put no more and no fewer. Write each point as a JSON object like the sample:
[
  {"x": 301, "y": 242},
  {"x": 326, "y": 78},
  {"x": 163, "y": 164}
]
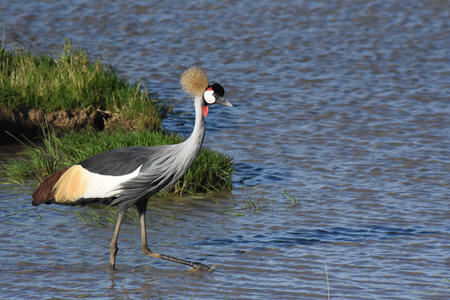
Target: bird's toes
[{"x": 200, "y": 267}]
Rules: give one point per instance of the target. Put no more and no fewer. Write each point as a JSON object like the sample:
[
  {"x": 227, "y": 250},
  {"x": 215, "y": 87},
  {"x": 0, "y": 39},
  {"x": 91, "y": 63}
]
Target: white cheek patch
[{"x": 209, "y": 97}]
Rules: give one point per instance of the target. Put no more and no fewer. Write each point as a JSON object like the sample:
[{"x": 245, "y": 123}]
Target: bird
[{"x": 129, "y": 176}]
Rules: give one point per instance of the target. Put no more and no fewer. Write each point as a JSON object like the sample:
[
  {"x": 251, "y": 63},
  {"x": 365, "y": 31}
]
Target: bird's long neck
[{"x": 195, "y": 140}]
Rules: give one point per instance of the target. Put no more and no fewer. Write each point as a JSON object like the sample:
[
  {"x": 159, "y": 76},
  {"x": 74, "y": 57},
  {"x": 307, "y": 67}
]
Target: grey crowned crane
[{"x": 129, "y": 176}]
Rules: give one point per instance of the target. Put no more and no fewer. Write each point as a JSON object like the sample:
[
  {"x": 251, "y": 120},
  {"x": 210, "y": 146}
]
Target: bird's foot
[{"x": 196, "y": 267}]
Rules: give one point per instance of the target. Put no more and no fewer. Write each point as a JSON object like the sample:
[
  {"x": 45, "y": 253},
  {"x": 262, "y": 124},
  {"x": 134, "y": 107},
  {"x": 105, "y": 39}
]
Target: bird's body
[{"x": 129, "y": 176}]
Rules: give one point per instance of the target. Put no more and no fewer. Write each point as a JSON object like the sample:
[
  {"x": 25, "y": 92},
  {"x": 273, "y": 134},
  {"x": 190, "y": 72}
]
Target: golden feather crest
[{"x": 194, "y": 81}]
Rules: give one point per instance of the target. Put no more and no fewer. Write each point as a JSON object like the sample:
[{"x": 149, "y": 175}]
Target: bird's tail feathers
[{"x": 44, "y": 192}]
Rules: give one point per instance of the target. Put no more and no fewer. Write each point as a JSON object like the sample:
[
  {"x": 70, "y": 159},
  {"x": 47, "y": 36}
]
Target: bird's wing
[
  {"x": 118, "y": 162},
  {"x": 156, "y": 169},
  {"x": 139, "y": 188},
  {"x": 156, "y": 174}
]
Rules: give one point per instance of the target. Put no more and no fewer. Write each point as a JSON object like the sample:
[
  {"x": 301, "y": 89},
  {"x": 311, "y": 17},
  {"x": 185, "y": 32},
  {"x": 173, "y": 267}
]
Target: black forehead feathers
[{"x": 218, "y": 89}]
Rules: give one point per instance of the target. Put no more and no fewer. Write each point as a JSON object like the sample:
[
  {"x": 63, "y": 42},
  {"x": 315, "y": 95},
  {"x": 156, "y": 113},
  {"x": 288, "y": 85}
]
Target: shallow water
[{"x": 345, "y": 106}]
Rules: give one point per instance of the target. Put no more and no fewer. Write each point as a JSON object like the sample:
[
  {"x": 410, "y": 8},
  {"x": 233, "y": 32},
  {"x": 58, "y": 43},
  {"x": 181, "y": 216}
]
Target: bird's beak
[{"x": 222, "y": 101}]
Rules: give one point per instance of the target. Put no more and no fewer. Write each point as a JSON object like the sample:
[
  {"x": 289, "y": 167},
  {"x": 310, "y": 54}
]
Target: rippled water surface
[{"x": 340, "y": 140}]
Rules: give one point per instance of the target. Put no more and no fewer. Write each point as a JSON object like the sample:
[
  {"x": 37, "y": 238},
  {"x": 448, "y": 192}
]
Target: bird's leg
[
  {"x": 113, "y": 247},
  {"x": 146, "y": 250}
]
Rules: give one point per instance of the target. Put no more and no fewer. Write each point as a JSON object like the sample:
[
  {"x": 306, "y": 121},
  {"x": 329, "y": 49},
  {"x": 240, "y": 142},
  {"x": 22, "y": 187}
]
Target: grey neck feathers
[{"x": 195, "y": 140}]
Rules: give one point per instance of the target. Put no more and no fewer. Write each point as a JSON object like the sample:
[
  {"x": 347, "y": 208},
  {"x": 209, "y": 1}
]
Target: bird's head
[{"x": 195, "y": 82}]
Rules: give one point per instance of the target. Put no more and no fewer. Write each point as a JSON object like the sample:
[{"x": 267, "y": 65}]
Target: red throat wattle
[{"x": 205, "y": 110}]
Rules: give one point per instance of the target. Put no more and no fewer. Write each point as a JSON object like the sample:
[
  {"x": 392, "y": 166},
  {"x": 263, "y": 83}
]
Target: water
[{"x": 343, "y": 105}]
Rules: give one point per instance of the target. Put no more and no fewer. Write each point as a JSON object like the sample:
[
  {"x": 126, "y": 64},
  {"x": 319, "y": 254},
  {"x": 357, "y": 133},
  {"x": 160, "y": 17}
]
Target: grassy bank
[{"x": 73, "y": 82}]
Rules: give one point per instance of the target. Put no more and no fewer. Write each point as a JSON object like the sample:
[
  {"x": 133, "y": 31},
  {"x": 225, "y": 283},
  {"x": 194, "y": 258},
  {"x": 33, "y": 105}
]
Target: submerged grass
[
  {"x": 106, "y": 216},
  {"x": 292, "y": 197},
  {"x": 72, "y": 81},
  {"x": 211, "y": 171}
]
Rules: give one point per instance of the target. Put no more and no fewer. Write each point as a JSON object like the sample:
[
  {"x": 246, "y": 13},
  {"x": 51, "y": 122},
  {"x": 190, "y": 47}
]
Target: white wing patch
[{"x": 105, "y": 186}]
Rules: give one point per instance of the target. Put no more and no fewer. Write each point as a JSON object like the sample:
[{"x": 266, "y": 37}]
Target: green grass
[
  {"x": 211, "y": 171},
  {"x": 72, "y": 80}
]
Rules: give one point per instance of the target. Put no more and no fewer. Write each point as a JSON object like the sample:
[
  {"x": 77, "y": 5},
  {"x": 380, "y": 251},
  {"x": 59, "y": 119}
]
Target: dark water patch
[{"x": 310, "y": 237}]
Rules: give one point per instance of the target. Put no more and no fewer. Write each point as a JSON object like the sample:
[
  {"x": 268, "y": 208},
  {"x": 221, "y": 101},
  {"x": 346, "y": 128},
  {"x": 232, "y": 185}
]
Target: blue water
[{"x": 343, "y": 105}]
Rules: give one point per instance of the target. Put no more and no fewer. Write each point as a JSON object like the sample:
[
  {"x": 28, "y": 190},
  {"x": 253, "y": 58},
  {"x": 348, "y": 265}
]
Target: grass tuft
[{"x": 70, "y": 81}]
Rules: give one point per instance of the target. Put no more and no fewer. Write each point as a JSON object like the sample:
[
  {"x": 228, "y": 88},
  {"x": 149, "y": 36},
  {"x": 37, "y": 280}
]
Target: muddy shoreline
[{"x": 27, "y": 123}]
